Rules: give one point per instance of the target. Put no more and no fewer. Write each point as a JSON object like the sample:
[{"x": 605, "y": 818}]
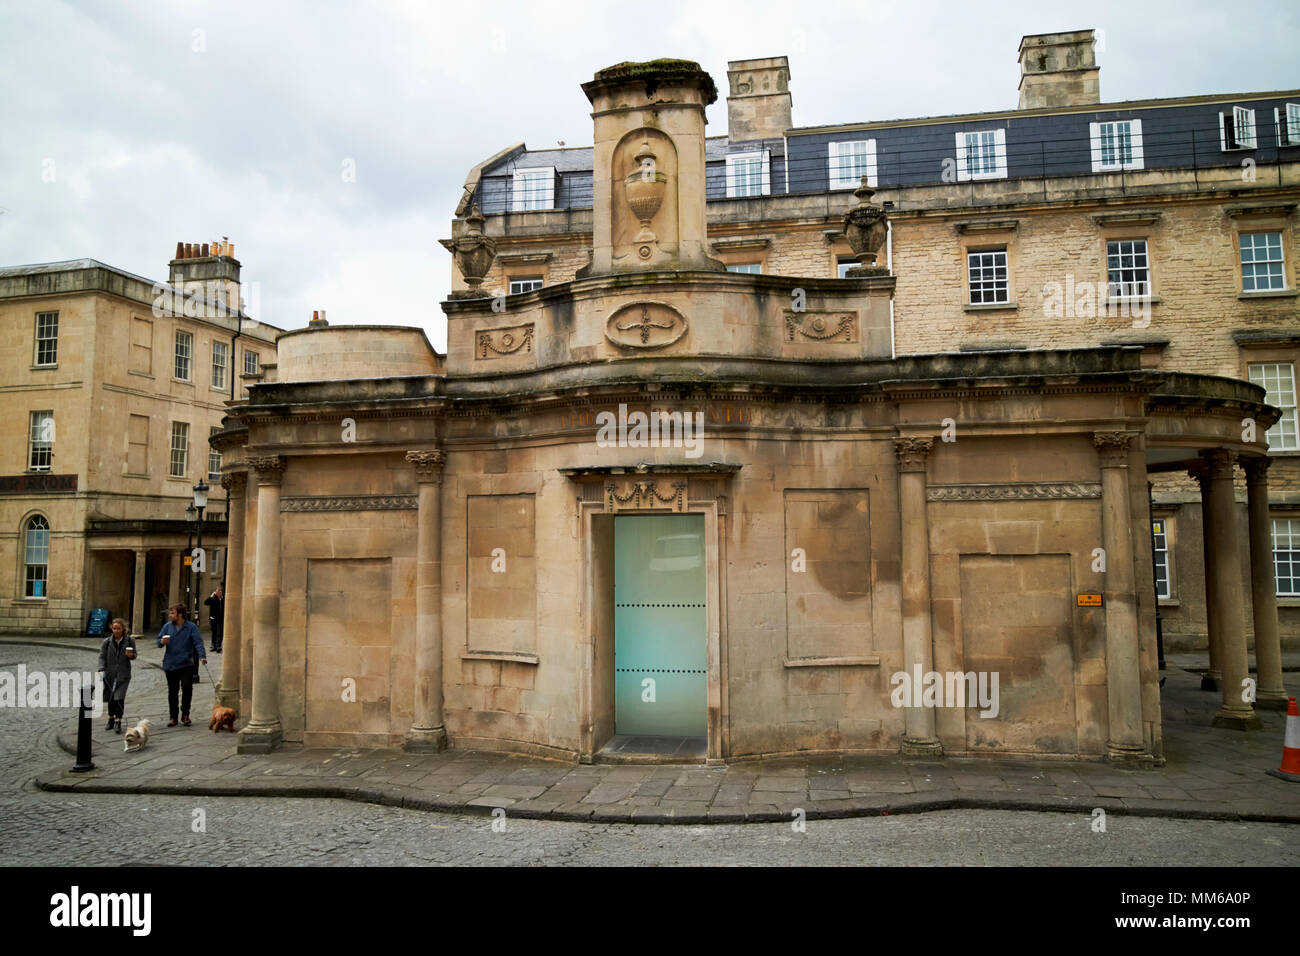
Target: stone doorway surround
[{"x": 603, "y": 493}]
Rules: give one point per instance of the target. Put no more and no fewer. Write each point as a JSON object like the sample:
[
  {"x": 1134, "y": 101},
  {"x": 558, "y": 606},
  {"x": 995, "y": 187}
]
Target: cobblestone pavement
[{"x": 38, "y": 827}]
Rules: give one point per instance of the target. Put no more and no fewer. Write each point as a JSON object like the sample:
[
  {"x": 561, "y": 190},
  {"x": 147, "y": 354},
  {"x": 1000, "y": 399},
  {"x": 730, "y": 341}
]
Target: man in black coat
[{"x": 216, "y": 603}]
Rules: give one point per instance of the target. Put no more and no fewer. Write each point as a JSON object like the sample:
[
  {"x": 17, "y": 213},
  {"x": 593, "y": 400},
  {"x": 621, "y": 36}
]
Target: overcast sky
[{"x": 127, "y": 126}]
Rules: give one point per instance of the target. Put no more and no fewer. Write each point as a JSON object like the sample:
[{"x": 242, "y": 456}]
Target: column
[
  {"x": 263, "y": 732},
  {"x": 140, "y": 598},
  {"x": 427, "y": 733},
  {"x": 919, "y": 738},
  {"x": 246, "y": 637},
  {"x": 1270, "y": 694},
  {"x": 1124, "y": 740},
  {"x": 235, "y": 485},
  {"x": 174, "y": 582},
  {"x": 1225, "y": 558},
  {"x": 1213, "y": 676}
]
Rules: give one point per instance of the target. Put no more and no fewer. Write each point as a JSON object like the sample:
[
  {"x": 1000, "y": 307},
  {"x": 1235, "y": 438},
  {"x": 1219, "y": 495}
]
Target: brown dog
[{"x": 222, "y": 717}]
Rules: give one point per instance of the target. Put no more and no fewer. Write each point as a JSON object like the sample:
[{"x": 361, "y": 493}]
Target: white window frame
[
  {"x": 214, "y": 456},
  {"x": 219, "y": 381},
  {"x": 1285, "y": 435},
  {"x": 1292, "y": 533},
  {"x": 40, "y": 550},
  {"x": 36, "y": 355},
  {"x": 1006, "y": 275},
  {"x": 835, "y": 154},
  {"x": 1243, "y": 129},
  {"x": 181, "y": 448},
  {"x": 187, "y": 356},
  {"x": 1291, "y": 114},
  {"x": 40, "y": 453},
  {"x": 1145, "y": 284},
  {"x": 520, "y": 198},
  {"x": 1096, "y": 138},
  {"x": 517, "y": 285},
  {"x": 735, "y": 160},
  {"x": 1159, "y": 536},
  {"x": 1281, "y": 260},
  {"x": 748, "y": 268},
  {"x": 844, "y": 263},
  {"x": 964, "y": 174},
  {"x": 257, "y": 362}
]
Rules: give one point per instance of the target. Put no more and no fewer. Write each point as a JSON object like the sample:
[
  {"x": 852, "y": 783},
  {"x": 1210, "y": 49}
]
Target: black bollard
[{"x": 83, "y": 732}]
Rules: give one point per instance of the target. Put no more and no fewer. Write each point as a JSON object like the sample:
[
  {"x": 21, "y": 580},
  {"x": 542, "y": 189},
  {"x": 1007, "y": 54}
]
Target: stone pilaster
[
  {"x": 1234, "y": 713},
  {"x": 139, "y": 597},
  {"x": 428, "y": 733},
  {"x": 1124, "y": 741},
  {"x": 263, "y": 733},
  {"x": 919, "y": 738},
  {"x": 1213, "y": 676},
  {"x": 231, "y": 650},
  {"x": 1270, "y": 694}
]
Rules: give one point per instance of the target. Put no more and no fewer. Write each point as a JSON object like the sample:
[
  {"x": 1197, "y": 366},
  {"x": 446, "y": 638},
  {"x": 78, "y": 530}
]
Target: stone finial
[
  {"x": 428, "y": 464},
  {"x": 912, "y": 453},
  {"x": 1113, "y": 447},
  {"x": 865, "y": 228},
  {"x": 474, "y": 253},
  {"x": 269, "y": 468}
]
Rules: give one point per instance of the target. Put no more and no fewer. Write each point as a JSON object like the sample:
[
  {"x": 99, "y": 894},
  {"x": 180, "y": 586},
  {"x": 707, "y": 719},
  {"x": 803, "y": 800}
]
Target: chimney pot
[
  {"x": 204, "y": 253},
  {"x": 180, "y": 250}
]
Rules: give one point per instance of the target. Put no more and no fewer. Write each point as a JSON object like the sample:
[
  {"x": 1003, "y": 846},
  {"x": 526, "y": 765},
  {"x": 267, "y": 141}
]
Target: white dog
[{"x": 138, "y": 735}]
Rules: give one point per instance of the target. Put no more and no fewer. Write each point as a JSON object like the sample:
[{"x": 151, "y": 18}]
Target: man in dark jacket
[
  {"x": 216, "y": 603},
  {"x": 184, "y": 651}
]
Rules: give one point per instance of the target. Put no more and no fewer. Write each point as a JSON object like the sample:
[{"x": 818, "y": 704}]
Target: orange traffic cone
[{"x": 1290, "y": 746}]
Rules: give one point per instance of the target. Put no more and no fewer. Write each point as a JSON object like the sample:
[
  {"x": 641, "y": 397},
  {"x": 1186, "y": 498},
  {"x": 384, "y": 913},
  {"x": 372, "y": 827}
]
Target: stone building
[
  {"x": 119, "y": 382},
  {"x": 688, "y": 485},
  {"x": 1010, "y": 230}
]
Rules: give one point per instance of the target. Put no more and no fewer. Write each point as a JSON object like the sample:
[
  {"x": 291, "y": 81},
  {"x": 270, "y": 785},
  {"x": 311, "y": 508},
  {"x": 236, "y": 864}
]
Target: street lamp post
[
  {"x": 191, "y": 516},
  {"x": 200, "y": 502}
]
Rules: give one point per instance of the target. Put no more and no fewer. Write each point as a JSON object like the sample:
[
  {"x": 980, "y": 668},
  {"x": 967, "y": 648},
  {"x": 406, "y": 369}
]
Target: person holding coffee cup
[{"x": 184, "y": 651}]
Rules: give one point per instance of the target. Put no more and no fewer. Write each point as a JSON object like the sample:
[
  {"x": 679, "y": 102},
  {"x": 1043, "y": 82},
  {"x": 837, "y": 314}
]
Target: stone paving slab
[{"x": 1210, "y": 774}]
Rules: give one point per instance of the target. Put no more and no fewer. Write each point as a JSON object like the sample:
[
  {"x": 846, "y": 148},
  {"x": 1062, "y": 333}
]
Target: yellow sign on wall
[{"x": 1089, "y": 600}]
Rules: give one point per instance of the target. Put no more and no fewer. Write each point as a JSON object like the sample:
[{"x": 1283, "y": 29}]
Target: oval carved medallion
[{"x": 645, "y": 325}]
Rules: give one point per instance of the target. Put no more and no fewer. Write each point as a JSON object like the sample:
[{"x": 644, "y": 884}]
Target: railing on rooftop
[{"x": 935, "y": 164}]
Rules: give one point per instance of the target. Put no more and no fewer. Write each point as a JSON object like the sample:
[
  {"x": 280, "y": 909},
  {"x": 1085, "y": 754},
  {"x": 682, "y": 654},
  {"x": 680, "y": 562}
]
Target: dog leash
[{"x": 210, "y": 678}]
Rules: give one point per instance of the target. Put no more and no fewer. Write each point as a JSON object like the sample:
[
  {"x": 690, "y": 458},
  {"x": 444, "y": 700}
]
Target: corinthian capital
[
  {"x": 1220, "y": 463},
  {"x": 428, "y": 464},
  {"x": 1113, "y": 447},
  {"x": 269, "y": 468},
  {"x": 912, "y": 453},
  {"x": 235, "y": 483}
]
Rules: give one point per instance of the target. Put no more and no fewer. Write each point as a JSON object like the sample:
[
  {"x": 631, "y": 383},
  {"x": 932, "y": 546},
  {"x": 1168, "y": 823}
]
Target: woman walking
[{"x": 115, "y": 656}]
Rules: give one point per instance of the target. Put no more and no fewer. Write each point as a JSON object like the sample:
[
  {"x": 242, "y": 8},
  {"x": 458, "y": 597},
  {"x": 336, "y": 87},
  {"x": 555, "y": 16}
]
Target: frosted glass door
[{"x": 659, "y": 626}]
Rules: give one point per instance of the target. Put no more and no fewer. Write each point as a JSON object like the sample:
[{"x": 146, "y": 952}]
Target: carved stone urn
[
  {"x": 865, "y": 227},
  {"x": 645, "y": 187},
  {"x": 474, "y": 253}
]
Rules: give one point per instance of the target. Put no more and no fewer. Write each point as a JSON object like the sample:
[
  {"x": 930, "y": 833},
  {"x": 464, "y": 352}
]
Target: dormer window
[
  {"x": 1286, "y": 120},
  {"x": 982, "y": 155},
  {"x": 534, "y": 189},
  {"x": 1116, "y": 145},
  {"x": 749, "y": 174},
  {"x": 1237, "y": 129},
  {"x": 850, "y": 161}
]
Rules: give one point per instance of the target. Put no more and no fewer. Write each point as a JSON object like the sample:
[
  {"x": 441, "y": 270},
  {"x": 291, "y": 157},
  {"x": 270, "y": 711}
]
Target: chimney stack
[
  {"x": 317, "y": 320},
  {"x": 1059, "y": 69},
  {"x": 759, "y": 106},
  {"x": 210, "y": 271}
]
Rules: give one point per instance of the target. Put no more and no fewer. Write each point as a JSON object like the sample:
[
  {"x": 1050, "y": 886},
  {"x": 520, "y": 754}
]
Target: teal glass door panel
[{"x": 659, "y": 626}]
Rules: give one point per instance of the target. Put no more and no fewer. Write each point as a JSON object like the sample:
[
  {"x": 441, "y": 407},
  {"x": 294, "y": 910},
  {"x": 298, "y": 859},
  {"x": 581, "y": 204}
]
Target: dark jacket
[
  {"x": 116, "y": 665},
  {"x": 216, "y": 610},
  {"x": 185, "y": 649}
]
